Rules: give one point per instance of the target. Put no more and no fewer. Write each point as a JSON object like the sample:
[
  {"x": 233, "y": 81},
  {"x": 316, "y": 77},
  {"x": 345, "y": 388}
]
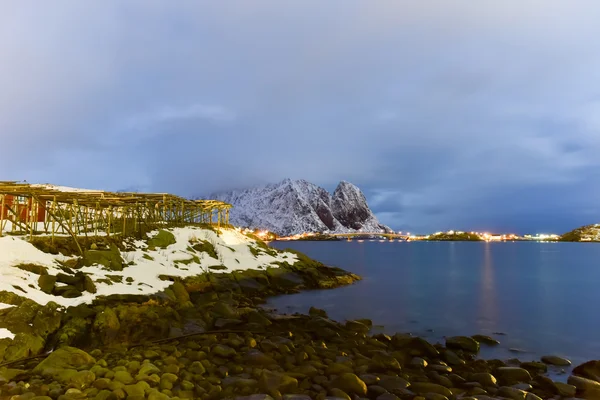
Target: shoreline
[{"x": 208, "y": 337}]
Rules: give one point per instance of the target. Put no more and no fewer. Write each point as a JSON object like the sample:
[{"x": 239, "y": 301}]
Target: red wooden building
[{"x": 22, "y": 207}]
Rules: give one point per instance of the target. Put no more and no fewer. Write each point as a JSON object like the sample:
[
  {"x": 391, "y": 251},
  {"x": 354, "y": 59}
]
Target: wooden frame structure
[{"x": 77, "y": 212}]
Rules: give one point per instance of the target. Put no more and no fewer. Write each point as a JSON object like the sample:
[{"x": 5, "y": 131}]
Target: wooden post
[
  {"x": 53, "y": 218},
  {"x": 2, "y": 222},
  {"x": 124, "y": 211},
  {"x": 109, "y": 221}
]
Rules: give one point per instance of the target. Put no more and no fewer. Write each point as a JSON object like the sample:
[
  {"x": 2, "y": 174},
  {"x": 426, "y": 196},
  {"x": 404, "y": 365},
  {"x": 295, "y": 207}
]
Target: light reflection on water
[{"x": 542, "y": 295}]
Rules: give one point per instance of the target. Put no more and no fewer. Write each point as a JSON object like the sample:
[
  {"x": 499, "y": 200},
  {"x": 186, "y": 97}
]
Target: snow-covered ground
[{"x": 232, "y": 248}]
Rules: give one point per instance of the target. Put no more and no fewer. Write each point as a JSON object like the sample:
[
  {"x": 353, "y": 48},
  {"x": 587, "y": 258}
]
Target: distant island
[{"x": 588, "y": 233}]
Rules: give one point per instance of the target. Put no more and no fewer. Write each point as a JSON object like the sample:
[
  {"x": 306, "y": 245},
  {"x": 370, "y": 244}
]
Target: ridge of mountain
[{"x": 296, "y": 206}]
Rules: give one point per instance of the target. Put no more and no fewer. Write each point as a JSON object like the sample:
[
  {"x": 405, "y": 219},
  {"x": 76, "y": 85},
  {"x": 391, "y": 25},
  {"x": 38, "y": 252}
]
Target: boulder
[
  {"x": 512, "y": 375},
  {"x": 181, "y": 295},
  {"x": 393, "y": 383},
  {"x": 358, "y": 327},
  {"x": 47, "y": 320},
  {"x": 276, "y": 381},
  {"x": 63, "y": 358},
  {"x": 23, "y": 345},
  {"x": 162, "y": 240},
  {"x": 46, "y": 283},
  {"x": 110, "y": 259},
  {"x": 381, "y": 361},
  {"x": 427, "y": 387},
  {"x": 68, "y": 291},
  {"x": 534, "y": 366},
  {"x": 350, "y": 383},
  {"x": 555, "y": 360},
  {"x": 589, "y": 370},
  {"x": 488, "y": 340},
  {"x": 584, "y": 385},
  {"x": 106, "y": 326},
  {"x": 485, "y": 379},
  {"x": 463, "y": 343},
  {"x": 511, "y": 393},
  {"x": 565, "y": 390},
  {"x": 317, "y": 312}
]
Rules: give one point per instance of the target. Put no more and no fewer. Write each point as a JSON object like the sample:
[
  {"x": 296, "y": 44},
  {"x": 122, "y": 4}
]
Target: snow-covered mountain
[{"x": 290, "y": 207}]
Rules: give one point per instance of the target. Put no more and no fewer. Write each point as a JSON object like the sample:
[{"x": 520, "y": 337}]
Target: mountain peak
[{"x": 297, "y": 206}]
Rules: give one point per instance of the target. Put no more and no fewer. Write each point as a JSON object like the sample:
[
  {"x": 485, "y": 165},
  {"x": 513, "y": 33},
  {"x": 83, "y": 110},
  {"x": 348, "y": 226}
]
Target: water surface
[{"x": 539, "y": 298}]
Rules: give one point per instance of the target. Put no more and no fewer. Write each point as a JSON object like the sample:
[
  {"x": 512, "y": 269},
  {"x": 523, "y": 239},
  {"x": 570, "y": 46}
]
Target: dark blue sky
[{"x": 448, "y": 114}]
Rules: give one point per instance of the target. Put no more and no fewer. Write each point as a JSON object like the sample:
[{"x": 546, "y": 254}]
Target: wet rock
[
  {"x": 275, "y": 381},
  {"x": 356, "y": 326},
  {"x": 123, "y": 377},
  {"x": 484, "y": 378},
  {"x": 339, "y": 394},
  {"x": 388, "y": 396},
  {"x": 589, "y": 370},
  {"x": 338, "y": 368},
  {"x": 511, "y": 393},
  {"x": 555, "y": 360},
  {"x": 418, "y": 362},
  {"x": 452, "y": 358},
  {"x": 512, "y": 375},
  {"x": 534, "y": 366},
  {"x": 257, "y": 357},
  {"x": 463, "y": 343},
  {"x": 167, "y": 380},
  {"x": 585, "y": 387},
  {"x": 393, "y": 383},
  {"x": 317, "y": 312},
  {"x": 350, "y": 383},
  {"x": 565, "y": 389},
  {"x": 383, "y": 361},
  {"x": 426, "y": 387},
  {"x": 223, "y": 351},
  {"x": 488, "y": 340},
  {"x": 77, "y": 379}
]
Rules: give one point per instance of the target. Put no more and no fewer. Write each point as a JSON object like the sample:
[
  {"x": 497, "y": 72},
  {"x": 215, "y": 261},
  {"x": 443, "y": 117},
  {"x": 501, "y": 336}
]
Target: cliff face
[{"x": 291, "y": 207}]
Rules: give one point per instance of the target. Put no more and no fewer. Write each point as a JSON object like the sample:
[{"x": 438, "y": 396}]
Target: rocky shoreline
[{"x": 207, "y": 337}]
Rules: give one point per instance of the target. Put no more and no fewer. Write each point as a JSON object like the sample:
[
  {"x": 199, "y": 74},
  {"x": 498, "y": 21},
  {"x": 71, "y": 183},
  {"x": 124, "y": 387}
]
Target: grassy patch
[{"x": 206, "y": 247}]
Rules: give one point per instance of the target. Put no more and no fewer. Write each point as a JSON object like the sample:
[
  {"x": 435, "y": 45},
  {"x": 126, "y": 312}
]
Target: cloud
[{"x": 438, "y": 110}]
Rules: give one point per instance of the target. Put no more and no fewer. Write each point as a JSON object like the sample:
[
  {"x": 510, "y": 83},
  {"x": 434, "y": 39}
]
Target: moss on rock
[
  {"x": 23, "y": 345},
  {"x": 63, "y": 358},
  {"x": 110, "y": 259},
  {"x": 33, "y": 268},
  {"x": 162, "y": 240}
]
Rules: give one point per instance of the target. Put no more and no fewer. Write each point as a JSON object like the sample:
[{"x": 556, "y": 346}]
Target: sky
[{"x": 470, "y": 115}]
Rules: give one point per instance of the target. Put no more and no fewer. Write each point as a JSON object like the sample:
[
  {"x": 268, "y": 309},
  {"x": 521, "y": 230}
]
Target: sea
[{"x": 536, "y": 298}]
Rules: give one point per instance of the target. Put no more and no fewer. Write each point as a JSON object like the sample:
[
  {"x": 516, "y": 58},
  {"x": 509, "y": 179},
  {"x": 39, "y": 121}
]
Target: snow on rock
[
  {"x": 292, "y": 207},
  {"x": 6, "y": 334},
  {"x": 232, "y": 248}
]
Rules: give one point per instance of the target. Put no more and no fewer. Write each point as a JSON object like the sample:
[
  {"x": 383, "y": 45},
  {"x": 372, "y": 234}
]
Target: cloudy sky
[{"x": 448, "y": 114}]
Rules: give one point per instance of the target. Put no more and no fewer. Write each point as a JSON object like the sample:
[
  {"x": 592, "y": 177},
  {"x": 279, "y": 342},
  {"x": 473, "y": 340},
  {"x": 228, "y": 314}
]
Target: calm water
[{"x": 544, "y": 297}]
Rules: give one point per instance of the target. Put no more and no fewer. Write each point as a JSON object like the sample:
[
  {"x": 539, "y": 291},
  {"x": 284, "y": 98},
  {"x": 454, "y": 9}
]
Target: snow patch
[
  {"x": 233, "y": 251},
  {"x": 6, "y": 334}
]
